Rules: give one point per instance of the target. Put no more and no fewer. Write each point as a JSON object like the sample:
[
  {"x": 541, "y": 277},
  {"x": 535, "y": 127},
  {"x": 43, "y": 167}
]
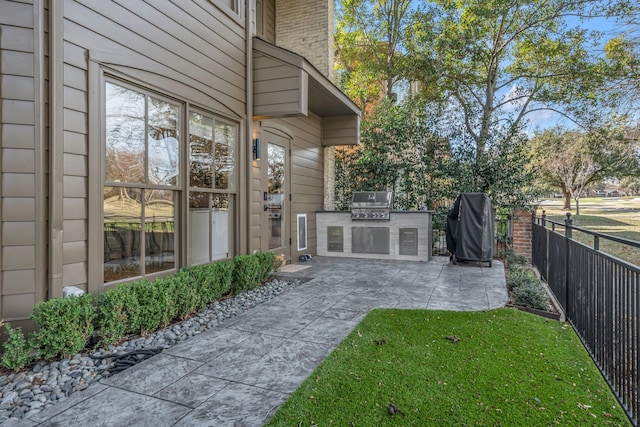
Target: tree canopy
[
  {"x": 484, "y": 67},
  {"x": 573, "y": 161}
]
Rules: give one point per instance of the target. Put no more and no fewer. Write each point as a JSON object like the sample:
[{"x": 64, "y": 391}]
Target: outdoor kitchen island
[{"x": 374, "y": 233}]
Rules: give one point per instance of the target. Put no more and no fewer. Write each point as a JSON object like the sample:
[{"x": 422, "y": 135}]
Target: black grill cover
[{"x": 470, "y": 227}]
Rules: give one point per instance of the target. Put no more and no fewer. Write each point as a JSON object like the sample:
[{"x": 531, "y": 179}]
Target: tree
[
  {"x": 399, "y": 152},
  {"x": 495, "y": 62},
  {"x": 623, "y": 57},
  {"x": 573, "y": 160},
  {"x": 370, "y": 39}
]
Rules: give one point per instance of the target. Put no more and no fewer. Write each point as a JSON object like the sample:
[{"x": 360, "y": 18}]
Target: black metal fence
[
  {"x": 600, "y": 295},
  {"x": 504, "y": 233}
]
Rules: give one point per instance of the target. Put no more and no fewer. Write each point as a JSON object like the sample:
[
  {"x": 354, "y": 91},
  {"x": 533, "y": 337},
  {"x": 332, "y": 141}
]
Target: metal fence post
[
  {"x": 544, "y": 218},
  {"x": 567, "y": 234}
]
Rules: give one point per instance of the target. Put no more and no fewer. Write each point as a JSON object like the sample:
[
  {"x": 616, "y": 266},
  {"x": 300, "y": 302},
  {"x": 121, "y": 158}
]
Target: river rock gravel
[{"x": 47, "y": 382}]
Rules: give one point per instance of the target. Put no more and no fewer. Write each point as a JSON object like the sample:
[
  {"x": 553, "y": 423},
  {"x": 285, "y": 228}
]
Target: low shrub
[
  {"x": 267, "y": 262},
  {"x": 514, "y": 258},
  {"x": 118, "y": 314},
  {"x": 519, "y": 275},
  {"x": 247, "y": 273},
  {"x": 186, "y": 293},
  {"x": 531, "y": 295},
  {"x": 65, "y": 325},
  {"x": 140, "y": 307},
  {"x": 153, "y": 305},
  {"x": 16, "y": 350}
]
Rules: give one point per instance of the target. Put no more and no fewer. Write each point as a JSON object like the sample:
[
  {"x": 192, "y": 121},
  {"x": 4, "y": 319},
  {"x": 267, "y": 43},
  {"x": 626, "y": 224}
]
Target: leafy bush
[
  {"x": 222, "y": 278},
  {"x": 515, "y": 259},
  {"x": 531, "y": 295},
  {"x": 118, "y": 314},
  {"x": 185, "y": 291},
  {"x": 267, "y": 262},
  {"x": 65, "y": 325},
  {"x": 153, "y": 305},
  {"x": 16, "y": 350},
  {"x": 519, "y": 275},
  {"x": 247, "y": 273},
  {"x": 140, "y": 307}
]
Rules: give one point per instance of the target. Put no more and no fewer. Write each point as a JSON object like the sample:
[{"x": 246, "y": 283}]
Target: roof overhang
[{"x": 285, "y": 84}]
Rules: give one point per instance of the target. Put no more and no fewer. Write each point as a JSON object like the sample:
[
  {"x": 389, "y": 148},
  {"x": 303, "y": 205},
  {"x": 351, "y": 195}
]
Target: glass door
[{"x": 276, "y": 203}]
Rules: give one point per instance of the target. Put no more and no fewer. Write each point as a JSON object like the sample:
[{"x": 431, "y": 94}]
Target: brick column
[{"x": 522, "y": 233}]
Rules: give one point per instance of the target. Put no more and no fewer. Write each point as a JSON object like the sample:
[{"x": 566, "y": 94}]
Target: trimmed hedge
[
  {"x": 65, "y": 325},
  {"x": 247, "y": 273},
  {"x": 140, "y": 307}
]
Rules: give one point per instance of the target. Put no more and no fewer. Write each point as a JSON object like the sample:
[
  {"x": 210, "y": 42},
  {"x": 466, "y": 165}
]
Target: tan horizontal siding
[
  {"x": 74, "y": 230},
  {"x": 75, "y": 208},
  {"x": 17, "y": 160},
  {"x": 18, "y": 233},
  {"x": 15, "y": 306},
  {"x": 75, "y": 143},
  {"x": 75, "y": 252},
  {"x": 75, "y": 77},
  {"x": 18, "y": 112},
  {"x": 18, "y": 257},
  {"x": 18, "y": 185},
  {"x": 17, "y": 63},
  {"x": 18, "y": 208},
  {"x": 17, "y": 87},
  {"x": 269, "y": 11},
  {"x": 75, "y": 186},
  {"x": 16, "y": 14},
  {"x": 17, "y": 136},
  {"x": 103, "y": 26},
  {"x": 16, "y": 282},
  {"x": 75, "y": 275}
]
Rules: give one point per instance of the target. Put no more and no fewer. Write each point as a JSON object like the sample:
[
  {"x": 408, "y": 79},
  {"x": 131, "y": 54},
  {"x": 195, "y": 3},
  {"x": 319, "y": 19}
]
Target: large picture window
[
  {"x": 144, "y": 185},
  {"x": 142, "y": 176}
]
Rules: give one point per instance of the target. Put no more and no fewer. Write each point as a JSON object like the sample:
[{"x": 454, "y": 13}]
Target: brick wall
[
  {"x": 306, "y": 28},
  {"x": 522, "y": 233}
]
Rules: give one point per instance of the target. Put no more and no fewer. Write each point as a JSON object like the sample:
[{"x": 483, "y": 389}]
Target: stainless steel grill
[{"x": 371, "y": 205}]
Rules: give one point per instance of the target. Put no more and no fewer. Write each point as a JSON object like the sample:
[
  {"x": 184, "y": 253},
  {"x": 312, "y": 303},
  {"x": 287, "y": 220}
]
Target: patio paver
[{"x": 240, "y": 372}]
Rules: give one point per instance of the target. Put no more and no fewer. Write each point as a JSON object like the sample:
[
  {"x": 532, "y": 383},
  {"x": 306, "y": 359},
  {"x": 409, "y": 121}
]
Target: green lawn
[
  {"x": 509, "y": 368},
  {"x": 616, "y": 217}
]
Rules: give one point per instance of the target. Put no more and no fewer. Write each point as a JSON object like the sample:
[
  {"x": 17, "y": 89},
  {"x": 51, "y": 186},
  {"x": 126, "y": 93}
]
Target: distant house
[{"x": 142, "y": 137}]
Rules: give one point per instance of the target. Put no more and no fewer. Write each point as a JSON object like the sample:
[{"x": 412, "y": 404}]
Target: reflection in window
[
  {"x": 211, "y": 226},
  {"x": 138, "y": 224},
  {"x": 164, "y": 119},
  {"x": 159, "y": 214},
  {"x": 211, "y": 153},
  {"x": 142, "y": 160},
  {"x": 122, "y": 232},
  {"x": 125, "y": 127},
  {"x": 129, "y": 116}
]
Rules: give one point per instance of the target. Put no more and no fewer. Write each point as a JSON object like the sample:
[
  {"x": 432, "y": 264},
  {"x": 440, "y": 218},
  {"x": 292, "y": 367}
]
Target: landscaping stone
[{"x": 21, "y": 394}]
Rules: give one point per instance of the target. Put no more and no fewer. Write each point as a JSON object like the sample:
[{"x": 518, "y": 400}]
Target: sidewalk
[{"x": 240, "y": 372}]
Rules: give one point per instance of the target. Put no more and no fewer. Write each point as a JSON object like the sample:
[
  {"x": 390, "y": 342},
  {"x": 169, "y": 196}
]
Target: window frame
[
  {"x": 234, "y": 11},
  {"x": 181, "y": 191},
  {"x": 231, "y": 193}
]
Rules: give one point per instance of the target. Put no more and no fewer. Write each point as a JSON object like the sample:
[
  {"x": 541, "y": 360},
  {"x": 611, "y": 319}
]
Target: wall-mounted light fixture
[{"x": 256, "y": 149}]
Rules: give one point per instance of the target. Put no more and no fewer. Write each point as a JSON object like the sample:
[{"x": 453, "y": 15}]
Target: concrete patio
[{"x": 240, "y": 372}]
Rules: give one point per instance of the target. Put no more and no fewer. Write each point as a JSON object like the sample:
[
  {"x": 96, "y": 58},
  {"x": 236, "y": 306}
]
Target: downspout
[
  {"x": 246, "y": 230},
  {"x": 56, "y": 148}
]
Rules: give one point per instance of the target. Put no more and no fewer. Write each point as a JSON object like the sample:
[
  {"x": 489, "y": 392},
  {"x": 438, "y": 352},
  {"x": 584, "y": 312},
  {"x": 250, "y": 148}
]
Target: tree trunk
[
  {"x": 567, "y": 199},
  {"x": 577, "y": 206}
]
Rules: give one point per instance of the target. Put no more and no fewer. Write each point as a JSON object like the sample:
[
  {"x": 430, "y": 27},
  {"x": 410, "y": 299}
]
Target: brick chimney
[{"x": 306, "y": 28}]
